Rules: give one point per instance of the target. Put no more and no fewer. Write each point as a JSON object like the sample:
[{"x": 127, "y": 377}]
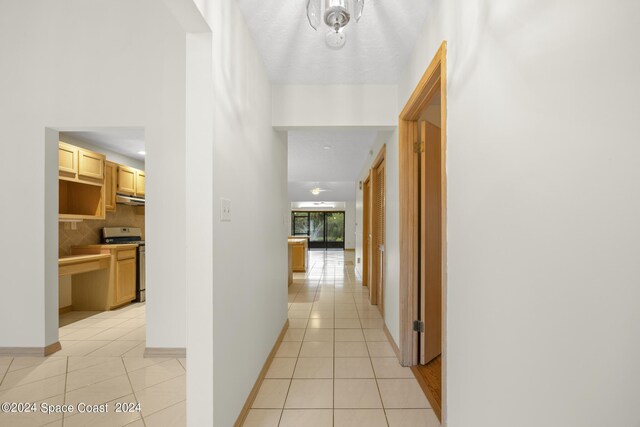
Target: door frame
[
  {"x": 434, "y": 79},
  {"x": 376, "y": 296},
  {"x": 366, "y": 229}
]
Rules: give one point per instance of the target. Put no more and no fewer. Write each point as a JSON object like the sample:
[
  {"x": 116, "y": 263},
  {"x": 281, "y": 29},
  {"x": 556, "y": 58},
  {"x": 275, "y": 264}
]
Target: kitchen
[{"x": 101, "y": 247}]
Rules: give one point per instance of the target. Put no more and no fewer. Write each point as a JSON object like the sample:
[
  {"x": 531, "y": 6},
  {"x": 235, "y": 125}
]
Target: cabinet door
[
  {"x": 110, "y": 182},
  {"x": 140, "y": 181},
  {"x": 90, "y": 164},
  {"x": 126, "y": 180},
  {"x": 67, "y": 161},
  {"x": 125, "y": 280}
]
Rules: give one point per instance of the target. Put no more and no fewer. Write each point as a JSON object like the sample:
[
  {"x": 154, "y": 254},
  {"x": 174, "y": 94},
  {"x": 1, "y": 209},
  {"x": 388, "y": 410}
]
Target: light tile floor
[
  {"x": 100, "y": 362},
  {"x": 335, "y": 367}
]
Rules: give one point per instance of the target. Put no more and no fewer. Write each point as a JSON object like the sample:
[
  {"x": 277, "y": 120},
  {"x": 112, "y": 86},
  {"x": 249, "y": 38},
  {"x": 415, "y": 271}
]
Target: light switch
[{"x": 225, "y": 210}]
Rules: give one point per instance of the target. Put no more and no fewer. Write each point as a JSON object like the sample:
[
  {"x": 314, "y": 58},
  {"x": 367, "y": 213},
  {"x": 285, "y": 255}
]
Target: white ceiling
[
  {"x": 310, "y": 161},
  {"x": 335, "y": 169},
  {"x": 344, "y": 191},
  {"x": 377, "y": 47},
  {"x": 126, "y": 141}
]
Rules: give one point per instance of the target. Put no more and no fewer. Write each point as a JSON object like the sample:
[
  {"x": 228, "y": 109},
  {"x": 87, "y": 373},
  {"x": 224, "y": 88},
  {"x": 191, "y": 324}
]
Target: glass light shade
[
  {"x": 314, "y": 12},
  {"x": 335, "y": 39}
]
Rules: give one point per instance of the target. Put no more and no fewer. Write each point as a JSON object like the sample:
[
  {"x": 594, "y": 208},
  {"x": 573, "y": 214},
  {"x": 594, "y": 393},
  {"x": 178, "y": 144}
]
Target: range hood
[{"x": 129, "y": 200}]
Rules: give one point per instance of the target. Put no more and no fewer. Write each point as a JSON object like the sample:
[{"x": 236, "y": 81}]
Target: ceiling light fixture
[
  {"x": 327, "y": 147},
  {"x": 316, "y": 191},
  {"x": 337, "y": 14},
  {"x": 142, "y": 153}
]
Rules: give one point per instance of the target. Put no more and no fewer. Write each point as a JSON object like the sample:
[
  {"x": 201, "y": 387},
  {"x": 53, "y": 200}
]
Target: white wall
[
  {"x": 334, "y": 105},
  {"x": 392, "y": 231},
  {"x": 543, "y": 176},
  {"x": 249, "y": 305},
  {"x": 67, "y": 65}
]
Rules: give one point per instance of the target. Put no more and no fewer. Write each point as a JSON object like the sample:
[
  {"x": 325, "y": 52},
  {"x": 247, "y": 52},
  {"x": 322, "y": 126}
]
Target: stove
[
  {"x": 122, "y": 235},
  {"x": 127, "y": 235}
]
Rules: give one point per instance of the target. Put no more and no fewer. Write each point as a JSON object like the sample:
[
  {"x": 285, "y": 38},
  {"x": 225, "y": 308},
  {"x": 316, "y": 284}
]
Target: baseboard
[
  {"x": 67, "y": 309},
  {"x": 395, "y": 347},
  {"x": 162, "y": 352},
  {"x": 254, "y": 391},
  {"x": 30, "y": 351}
]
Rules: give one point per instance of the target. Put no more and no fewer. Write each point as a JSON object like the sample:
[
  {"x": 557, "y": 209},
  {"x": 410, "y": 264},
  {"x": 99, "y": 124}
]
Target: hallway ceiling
[
  {"x": 376, "y": 51},
  {"x": 337, "y": 168}
]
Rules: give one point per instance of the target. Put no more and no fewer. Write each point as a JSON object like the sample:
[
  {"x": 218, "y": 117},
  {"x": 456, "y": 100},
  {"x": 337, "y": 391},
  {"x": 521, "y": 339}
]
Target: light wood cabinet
[
  {"x": 81, "y": 182},
  {"x": 299, "y": 249},
  {"x": 110, "y": 183},
  {"x": 126, "y": 180},
  {"x": 140, "y": 183},
  {"x": 67, "y": 161},
  {"x": 131, "y": 181},
  {"x": 90, "y": 164},
  {"x": 125, "y": 283},
  {"x": 120, "y": 288}
]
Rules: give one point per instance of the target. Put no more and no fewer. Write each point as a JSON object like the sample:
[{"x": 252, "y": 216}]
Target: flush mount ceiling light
[
  {"x": 142, "y": 153},
  {"x": 316, "y": 191},
  {"x": 337, "y": 14}
]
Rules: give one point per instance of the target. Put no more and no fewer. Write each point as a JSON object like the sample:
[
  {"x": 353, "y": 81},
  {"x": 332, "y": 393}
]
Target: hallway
[{"x": 335, "y": 366}]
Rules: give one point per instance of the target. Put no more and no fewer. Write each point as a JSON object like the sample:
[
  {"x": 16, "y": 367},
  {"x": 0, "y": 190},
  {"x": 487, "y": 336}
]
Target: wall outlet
[
  {"x": 225, "y": 210},
  {"x": 358, "y": 260}
]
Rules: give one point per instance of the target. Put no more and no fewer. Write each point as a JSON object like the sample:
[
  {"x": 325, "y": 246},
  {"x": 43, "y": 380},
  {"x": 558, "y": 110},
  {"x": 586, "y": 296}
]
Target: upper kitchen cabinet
[
  {"x": 110, "y": 184},
  {"x": 81, "y": 183},
  {"x": 80, "y": 165},
  {"x": 67, "y": 161},
  {"x": 140, "y": 182},
  {"x": 131, "y": 182}
]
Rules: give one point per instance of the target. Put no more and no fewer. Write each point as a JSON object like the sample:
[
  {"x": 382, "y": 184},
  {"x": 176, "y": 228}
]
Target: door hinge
[
  {"x": 418, "y": 147},
  {"x": 418, "y": 326}
]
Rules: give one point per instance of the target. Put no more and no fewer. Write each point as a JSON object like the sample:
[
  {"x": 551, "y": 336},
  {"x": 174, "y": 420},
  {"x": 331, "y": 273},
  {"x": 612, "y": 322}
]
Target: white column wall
[
  {"x": 249, "y": 307},
  {"x": 68, "y": 65}
]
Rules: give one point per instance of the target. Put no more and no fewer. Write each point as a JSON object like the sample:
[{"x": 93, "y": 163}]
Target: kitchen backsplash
[{"x": 88, "y": 232}]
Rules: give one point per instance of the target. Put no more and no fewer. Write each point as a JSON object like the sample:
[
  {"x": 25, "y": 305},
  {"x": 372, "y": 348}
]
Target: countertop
[
  {"x": 112, "y": 246},
  {"x": 75, "y": 259},
  {"x": 297, "y": 240}
]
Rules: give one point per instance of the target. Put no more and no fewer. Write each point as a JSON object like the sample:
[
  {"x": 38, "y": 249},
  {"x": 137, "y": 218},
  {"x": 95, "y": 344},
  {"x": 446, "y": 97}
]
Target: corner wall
[
  {"x": 66, "y": 65},
  {"x": 249, "y": 254},
  {"x": 543, "y": 176}
]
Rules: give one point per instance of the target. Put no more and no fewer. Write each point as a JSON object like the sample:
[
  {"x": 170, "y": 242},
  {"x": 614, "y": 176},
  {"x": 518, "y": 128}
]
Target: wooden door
[
  {"x": 125, "y": 280},
  {"x": 126, "y": 180},
  {"x": 140, "y": 183},
  {"x": 110, "y": 181},
  {"x": 378, "y": 234},
  {"x": 366, "y": 231},
  {"x": 90, "y": 164},
  {"x": 67, "y": 161},
  {"x": 431, "y": 242}
]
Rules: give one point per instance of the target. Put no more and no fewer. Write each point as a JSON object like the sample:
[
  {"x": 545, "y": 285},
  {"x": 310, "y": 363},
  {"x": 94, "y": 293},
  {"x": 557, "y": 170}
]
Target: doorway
[
  {"x": 423, "y": 231},
  {"x": 326, "y": 230}
]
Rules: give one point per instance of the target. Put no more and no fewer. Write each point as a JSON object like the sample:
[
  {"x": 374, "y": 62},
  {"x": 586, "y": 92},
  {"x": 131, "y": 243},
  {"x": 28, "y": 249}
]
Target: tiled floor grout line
[
  {"x": 64, "y": 396},
  {"x": 7, "y": 371},
  {"x": 133, "y": 390}
]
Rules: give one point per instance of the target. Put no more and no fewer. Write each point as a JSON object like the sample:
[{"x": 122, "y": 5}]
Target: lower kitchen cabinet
[
  {"x": 121, "y": 288},
  {"x": 125, "y": 285}
]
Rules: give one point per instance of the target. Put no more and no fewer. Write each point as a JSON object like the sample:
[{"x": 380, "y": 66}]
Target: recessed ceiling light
[
  {"x": 142, "y": 153},
  {"x": 327, "y": 147}
]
